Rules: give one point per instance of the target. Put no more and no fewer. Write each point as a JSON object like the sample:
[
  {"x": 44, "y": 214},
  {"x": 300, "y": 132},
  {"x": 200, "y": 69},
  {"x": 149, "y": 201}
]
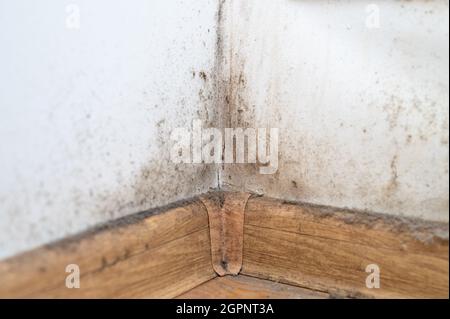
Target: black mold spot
[
  {"x": 216, "y": 197},
  {"x": 203, "y": 75}
]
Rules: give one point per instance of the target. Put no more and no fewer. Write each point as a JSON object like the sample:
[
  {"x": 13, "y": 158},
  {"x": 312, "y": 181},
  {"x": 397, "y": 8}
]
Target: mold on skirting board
[{"x": 362, "y": 111}]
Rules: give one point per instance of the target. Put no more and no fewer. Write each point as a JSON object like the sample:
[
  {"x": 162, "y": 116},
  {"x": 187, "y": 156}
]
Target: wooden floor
[{"x": 245, "y": 287}]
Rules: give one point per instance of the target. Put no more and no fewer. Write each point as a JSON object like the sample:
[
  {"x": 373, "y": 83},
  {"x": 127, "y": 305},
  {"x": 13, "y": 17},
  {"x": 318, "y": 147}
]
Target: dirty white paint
[
  {"x": 86, "y": 110},
  {"x": 362, "y": 111},
  {"x": 89, "y": 94}
]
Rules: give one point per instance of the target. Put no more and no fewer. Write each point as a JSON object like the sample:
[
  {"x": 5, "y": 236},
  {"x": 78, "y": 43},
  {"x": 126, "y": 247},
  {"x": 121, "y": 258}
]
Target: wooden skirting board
[
  {"x": 328, "y": 249},
  {"x": 152, "y": 255},
  {"x": 282, "y": 249}
]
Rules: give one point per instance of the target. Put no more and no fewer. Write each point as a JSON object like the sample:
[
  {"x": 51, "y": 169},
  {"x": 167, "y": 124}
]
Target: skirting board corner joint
[{"x": 226, "y": 225}]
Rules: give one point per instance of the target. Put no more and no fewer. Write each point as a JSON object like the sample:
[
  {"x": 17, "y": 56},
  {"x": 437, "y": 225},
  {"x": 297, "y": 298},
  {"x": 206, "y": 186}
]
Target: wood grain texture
[
  {"x": 226, "y": 225},
  {"x": 168, "y": 252},
  {"x": 244, "y": 287},
  {"x": 156, "y": 255},
  {"x": 328, "y": 249}
]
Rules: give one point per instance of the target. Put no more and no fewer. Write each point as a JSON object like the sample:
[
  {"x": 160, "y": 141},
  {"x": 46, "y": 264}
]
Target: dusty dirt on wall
[
  {"x": 145, "y": 186},
  {"x": 154, "y": 182},
  {"x": 233, "y": 107},
  {"x": 306, "y": 162},
  {"x": 226, "y": 101}
]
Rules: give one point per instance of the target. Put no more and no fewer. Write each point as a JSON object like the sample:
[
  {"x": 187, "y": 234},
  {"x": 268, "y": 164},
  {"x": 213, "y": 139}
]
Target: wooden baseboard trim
[
  {"x": 328, "y": 249},
  {"x": 159, "y": 254},
  {"x": 165, "y": 253}
]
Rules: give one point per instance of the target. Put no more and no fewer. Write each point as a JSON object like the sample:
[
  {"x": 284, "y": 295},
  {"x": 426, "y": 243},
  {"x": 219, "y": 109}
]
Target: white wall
[
  {"x": 85, "y": 114},
  {"x": 362, "y": 113}
]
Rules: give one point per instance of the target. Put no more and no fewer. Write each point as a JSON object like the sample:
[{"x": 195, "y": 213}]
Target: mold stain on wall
[
  {"x": 353, "y": 132},
  {"x": 94, "y": 143},
  {"x": 362, "y": 114}
]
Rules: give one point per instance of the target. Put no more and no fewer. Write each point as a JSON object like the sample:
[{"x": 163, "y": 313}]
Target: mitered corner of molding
[{"x": 226, "y": 227}]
